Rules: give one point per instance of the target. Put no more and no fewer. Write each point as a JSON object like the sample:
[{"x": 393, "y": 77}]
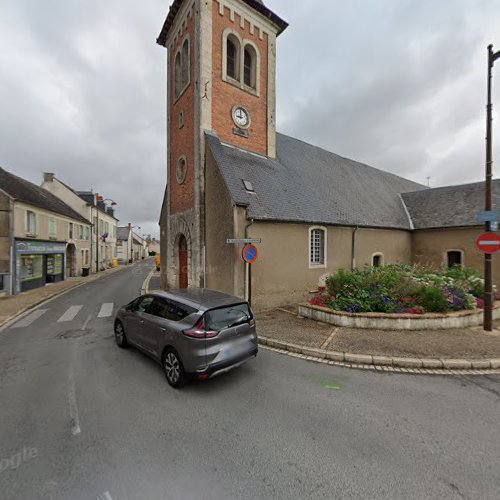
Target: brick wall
[
  {"x": 226, "y": 95},
  {"x": 182, "y": 139}
]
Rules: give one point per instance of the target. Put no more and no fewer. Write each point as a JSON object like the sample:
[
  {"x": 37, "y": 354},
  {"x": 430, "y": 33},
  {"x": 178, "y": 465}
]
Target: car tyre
[
  {"x": 174, "y": 371},
  {"x": 120, "y": 337}
]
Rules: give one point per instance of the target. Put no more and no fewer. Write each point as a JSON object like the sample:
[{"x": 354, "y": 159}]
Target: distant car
[{"x": 193, "y": 333}]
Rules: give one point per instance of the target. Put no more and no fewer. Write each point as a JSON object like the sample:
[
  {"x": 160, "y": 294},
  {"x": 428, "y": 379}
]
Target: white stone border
[{"x": 383, "y": 321}]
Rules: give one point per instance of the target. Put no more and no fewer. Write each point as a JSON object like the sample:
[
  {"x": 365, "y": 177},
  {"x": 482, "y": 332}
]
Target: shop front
[{"x": 38, "y": 262}]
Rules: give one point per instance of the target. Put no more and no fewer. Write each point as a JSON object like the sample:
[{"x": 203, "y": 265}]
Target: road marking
[
  {"x": 104, "y": 496},
  {"x": 70, "y": 314},
  {"x": 330, "y": 338},
  {"x": 106, "y": 310},
  {"x": 73, "y": 409},
  {"x": 87, "y": 321},
  {"x": 26, "y": 321}
]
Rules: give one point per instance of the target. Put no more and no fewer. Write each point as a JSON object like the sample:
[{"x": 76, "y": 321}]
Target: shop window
[
  {"x": 317, "y": 246},
  {"x": 455, "y": 258},
  {"x": 31, "y": 267},
  {"x": 2, "y": 282}
]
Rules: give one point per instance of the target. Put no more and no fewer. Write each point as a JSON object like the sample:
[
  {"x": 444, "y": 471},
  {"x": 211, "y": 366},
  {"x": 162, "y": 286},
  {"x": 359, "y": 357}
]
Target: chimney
[
  {"x": 129, "y": 227},
  {"x": 48, "y": 177}
]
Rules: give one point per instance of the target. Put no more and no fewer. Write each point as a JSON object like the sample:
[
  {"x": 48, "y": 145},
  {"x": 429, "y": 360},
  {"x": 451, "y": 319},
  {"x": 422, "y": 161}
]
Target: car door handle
[
  {"x": 142, "y": 321},
  {"x": 163, "y": 329}
]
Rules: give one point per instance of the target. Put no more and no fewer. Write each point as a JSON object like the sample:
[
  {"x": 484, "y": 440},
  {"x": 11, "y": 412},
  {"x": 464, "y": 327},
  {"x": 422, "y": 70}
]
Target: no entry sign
[
  {"x": 488, "y": 242},
  {"x": 250, "y": 254}
]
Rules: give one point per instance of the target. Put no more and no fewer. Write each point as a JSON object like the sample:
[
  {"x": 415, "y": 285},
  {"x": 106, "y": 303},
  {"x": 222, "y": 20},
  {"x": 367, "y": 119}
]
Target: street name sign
[
  {"x": 488, "y": 216},
  {"x": 488, "y": 242},
  {"x": 244, "y": 241},
  {"x": 250, "y": 254}
]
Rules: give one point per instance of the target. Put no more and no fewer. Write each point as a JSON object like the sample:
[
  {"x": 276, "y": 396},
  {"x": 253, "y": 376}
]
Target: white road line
[
  {"x": 73, "y": 410},
  {"x": 106, "y": 310},
  {"x": 26, "y": 321},
  {"x": 70, "y": 314},
  {"x": 87, "y": 321}
]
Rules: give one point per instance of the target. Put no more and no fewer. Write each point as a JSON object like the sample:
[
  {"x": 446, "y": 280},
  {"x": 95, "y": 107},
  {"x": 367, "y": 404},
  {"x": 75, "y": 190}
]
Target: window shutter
[{"x": 37, "y": 224}]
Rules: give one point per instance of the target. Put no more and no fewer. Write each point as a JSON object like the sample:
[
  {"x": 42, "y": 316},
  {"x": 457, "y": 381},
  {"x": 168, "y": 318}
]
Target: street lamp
[
  {"x": 103, "y": 200},
  {"x": 488, "y": 258}
]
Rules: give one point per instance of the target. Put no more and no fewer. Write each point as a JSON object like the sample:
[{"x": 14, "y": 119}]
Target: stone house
[
  {"x": 231, "y": 175},
  {"x": 102, "y": 218},
  {"x": 42, "y": 239}
]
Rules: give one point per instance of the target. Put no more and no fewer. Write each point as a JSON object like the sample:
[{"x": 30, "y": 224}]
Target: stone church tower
[{"x": 221, "y": 78}]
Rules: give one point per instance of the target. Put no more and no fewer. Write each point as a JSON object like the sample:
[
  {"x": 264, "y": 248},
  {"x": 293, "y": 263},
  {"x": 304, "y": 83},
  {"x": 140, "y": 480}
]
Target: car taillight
[
  {"x": 251, "y": 322},
  {"x": 199, "y": 331}
]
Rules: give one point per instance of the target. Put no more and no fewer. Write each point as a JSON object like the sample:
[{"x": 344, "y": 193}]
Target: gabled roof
[
  {"x": 122, "y": 233},
  {"x": 24, "y": 191},
  {"x": 450, "y": 206},
  {"x": 308, "y": 184},
  {"x": 258, "y": 5}
]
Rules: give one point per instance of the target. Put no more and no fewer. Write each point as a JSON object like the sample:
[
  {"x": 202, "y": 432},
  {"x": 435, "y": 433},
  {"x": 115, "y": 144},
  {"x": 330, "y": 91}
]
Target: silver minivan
[{"x": 193, "y": 333}]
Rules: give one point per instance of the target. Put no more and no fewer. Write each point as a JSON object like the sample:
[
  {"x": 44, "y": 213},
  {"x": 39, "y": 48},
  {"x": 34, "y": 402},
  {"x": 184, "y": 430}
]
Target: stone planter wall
[{"x": 384, "y": 321}]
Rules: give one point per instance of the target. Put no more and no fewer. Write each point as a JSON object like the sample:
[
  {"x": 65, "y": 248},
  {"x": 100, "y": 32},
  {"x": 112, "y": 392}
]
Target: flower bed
[
  {"x": 402, "y": 289},
  {"x": 400, "y": 296}
]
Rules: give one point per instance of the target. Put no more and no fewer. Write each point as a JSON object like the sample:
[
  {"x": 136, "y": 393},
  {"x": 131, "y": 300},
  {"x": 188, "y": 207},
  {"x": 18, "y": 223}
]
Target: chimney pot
[{"x": 48, "y": 176}]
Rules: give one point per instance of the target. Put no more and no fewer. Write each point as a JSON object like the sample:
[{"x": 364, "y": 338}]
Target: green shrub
[{"x": 432, "y": 299}]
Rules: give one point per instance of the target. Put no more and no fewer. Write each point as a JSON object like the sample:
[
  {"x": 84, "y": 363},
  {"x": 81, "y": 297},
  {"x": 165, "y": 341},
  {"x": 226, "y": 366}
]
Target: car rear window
[{"x": 225, "y": 317}]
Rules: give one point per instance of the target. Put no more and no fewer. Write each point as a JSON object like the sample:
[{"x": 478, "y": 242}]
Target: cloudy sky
[{"x": 398, "y": 84}]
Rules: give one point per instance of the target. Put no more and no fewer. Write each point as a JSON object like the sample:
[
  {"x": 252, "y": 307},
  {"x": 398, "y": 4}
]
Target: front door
[{"x": 183, "y": 263}]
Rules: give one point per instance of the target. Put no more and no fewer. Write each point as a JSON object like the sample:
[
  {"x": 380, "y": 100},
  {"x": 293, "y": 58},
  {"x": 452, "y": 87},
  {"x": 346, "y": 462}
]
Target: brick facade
[{"x": 227, "y": 95}]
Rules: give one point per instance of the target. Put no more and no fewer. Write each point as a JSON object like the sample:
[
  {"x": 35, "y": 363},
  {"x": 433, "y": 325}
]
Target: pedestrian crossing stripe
[
  {"x": 27, "y": 320},
  {"x": 106, "y": 310},
  {"x": 70, "y": 314}
]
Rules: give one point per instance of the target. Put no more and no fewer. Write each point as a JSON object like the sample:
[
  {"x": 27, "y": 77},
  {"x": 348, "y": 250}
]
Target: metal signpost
[
  {"x": 488, "y": 257},
  {"x": 249, "y": 254}
]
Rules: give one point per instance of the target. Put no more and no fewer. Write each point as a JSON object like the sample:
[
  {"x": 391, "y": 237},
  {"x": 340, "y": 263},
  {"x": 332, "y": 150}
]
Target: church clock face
[{"x": 241, "y": 117}]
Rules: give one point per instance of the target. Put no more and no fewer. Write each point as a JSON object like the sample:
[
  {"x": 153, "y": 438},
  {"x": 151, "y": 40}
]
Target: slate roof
[
  {"x": 258, "y": 5},
  {"x": 122, "y": 233},
  {"x": 22, "y": 190},
  {"x": 450, "y": 206},
  {"x": 308, "y": 184}
]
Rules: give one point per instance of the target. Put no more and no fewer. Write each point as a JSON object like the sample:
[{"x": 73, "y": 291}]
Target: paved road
[{"x": 82, "y": 419}]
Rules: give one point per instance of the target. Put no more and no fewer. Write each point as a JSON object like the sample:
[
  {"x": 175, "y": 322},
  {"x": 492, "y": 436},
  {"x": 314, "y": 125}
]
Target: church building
[{"x": 231, "y": 175}]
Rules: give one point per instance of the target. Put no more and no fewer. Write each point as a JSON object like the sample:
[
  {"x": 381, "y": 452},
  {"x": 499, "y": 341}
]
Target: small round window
[{"x": 182, "y": 170}]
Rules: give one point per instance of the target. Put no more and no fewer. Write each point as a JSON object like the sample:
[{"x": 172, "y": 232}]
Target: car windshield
[{"x": 218, "y": 319}]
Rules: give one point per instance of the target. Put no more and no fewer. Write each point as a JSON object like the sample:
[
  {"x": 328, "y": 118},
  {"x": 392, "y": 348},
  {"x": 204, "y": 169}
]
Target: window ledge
[
  {"x": 182, "y": 92},
  {"x": 241, "y": 86},
  {"x": 316, "y": 266}
]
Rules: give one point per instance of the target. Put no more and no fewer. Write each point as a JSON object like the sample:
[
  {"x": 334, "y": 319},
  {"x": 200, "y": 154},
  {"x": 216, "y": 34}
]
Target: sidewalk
[
  {"x": 15, "y": 305},
  {"x": 473, "y": 347}
]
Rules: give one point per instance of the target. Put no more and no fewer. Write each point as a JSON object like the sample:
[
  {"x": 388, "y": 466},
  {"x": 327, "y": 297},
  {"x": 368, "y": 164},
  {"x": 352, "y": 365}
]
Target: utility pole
[{"x": 488, "y": 258}]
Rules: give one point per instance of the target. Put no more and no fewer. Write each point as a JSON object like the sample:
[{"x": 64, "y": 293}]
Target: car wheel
[
  {"x": 174, "y": 371},
  {"x": 120, "y": 337}
]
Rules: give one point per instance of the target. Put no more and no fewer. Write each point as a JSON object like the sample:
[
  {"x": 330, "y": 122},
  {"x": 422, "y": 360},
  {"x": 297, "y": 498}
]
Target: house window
[
  {"x": 232, "y": 58},
  {"x": 52, "y": 228},
  {"x": 182, "y": 65},
  {"x": 70, "y": 230},
  {"x": 454, "y": 258},
  {"x": 317, "y": 249},
  {"x": 250, "y": 67},
  {"x": 31, "y": 223},
  {"x": 377, "y": 260}
]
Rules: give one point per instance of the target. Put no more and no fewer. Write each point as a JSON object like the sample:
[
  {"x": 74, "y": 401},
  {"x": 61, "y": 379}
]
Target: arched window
[
  {"x": 454, "y": 258},
  {"x": 182, "y": 69},
  {"x": 233, "y": 57},
  {"x": 185, "y": 63},
  {"x": 181, "y": 170},
  {"x": 317, "y": 247},
  {"x": 377, "y": 260},
  {"x": 250, "y": 67},
  {"x": 177, "y": 75}
]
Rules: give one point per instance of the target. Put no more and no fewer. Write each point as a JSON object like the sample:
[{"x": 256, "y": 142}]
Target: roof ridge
[{"x": 451, "y": 186}]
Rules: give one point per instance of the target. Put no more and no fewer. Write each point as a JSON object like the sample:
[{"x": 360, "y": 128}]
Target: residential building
[
  {"x": 139, "y": 247},
  {"x": 102, "y": 217},
  {"x": 230, "y": 175},
  {"x": 153, "y": 246},
  {"x": 42, "y": 239},
  {"x": 124, "y": 252}
]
